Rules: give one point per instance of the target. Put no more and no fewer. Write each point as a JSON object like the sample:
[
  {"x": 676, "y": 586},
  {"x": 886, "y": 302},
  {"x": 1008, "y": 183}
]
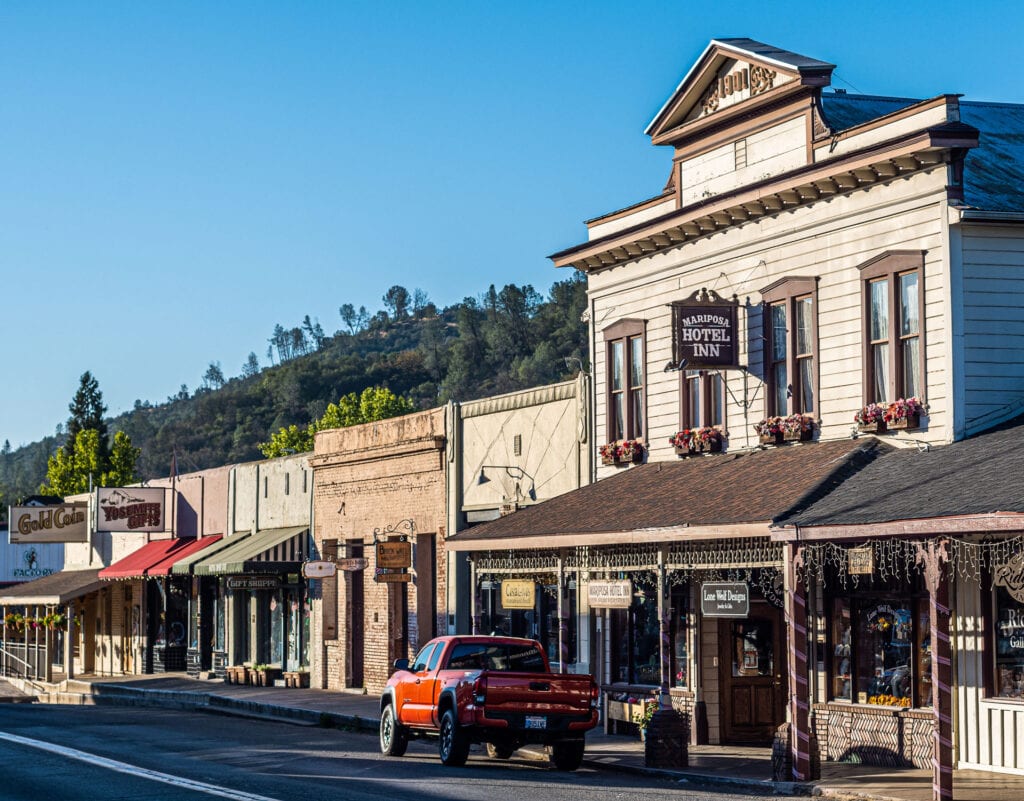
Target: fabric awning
[
  {"x": 52, "y": 590},
  {"x": 191, "y": 546},
  {"x": 183, "y": 565},
  {"x": 272, "y": 549},
  {"x": 135, "y": 564}
]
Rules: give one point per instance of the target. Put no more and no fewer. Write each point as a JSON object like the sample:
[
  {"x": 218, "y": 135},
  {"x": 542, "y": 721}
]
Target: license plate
[{"x": 536, "y": 722}]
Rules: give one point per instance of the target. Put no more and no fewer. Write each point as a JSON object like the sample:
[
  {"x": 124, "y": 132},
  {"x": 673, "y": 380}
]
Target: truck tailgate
[{"x": 541, "y": 693}]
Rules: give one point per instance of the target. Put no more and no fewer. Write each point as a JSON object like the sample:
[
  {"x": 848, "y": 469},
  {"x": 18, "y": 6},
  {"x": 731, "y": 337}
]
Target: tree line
[{"x": 500, "y": 341}]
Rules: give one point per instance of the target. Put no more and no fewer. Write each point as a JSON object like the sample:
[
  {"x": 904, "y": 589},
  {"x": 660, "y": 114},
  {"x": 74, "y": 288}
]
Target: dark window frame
[
  {"x": 705, "y": 380},
  {"x": 890, "y": 266},
  {"x": 624, "y": 331},
  {"x": 788, "y": 291}
]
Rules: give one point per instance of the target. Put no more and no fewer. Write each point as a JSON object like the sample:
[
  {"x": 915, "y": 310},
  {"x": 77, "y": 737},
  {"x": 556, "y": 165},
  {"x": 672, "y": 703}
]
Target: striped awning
[
  {"x": 186, "y": 565},
  {"x": 270, "y": 550}
]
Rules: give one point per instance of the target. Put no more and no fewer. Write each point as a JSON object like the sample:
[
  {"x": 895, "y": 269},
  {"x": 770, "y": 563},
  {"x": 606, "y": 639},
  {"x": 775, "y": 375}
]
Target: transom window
[
  {"x": 626, "y": 379},
  {"x": 893, "y": 314},
  {"x": 791, "y": 345}
]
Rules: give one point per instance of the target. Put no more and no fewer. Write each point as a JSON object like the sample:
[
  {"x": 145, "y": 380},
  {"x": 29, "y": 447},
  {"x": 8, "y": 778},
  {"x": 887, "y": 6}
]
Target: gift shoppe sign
[
  {"x": 705, "y": 332},
  {"x": 130, "y": 508}
]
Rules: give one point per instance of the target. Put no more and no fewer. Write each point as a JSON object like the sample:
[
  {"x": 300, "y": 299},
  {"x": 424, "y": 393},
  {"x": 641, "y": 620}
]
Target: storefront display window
[
  {"x": 636, "y": 641},
  {"x": 680, "y": 604},
  {"x": 1009, "y": 636},
  {"x": 881, "y": 650}
]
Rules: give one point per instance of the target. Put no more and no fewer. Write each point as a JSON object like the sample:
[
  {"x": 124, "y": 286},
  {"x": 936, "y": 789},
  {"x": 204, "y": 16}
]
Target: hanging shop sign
[
  {"x": 394, "y": 553},
  {"x": 705, "y": 332},
  {"x": 253, "y": 582},
  {"x": 518, "y": 594},
  {"x": 130, "y": 508},
  {"x": 860, "y": 561},
  {"x": 610, "y": 594},
  {"x": 1011, "y": 576},
  {"x": 351, "y": 564},
  {"x": 319, "y": 569},
  {"x": 66, "y": 522},
  {"x": 391, "y": 576},
  {"x": 725, "y": 599}
]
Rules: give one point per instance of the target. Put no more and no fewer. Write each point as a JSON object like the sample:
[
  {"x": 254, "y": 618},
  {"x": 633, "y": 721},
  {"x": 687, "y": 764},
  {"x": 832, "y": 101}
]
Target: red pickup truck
[{"x": 494, "y": 690}]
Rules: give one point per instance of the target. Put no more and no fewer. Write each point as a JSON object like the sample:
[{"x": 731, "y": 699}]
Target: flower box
[
  {"x": 771, "y": 438},
  {"x": 296, "y": 678},
  {"x": 685, "y": 450},
  {"x": 629, "y": 451},
  {"x": 797, "y": 436},
  {"x": 911, "y": 421},
  {"x": 874, "y": 427},
  {"x": 711, "y": 446}
]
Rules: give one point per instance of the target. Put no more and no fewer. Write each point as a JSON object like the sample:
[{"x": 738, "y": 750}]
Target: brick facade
[{"x": 384, "y": 479}]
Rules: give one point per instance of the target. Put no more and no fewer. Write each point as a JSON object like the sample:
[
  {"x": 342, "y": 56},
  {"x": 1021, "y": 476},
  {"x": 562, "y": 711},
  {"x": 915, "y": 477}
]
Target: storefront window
[
  {"x": 881, "y": 650},
  {"x": 1009, "y": 633},
  {"x": 220, "y": 605},
  {"x": 636, "y": 641},
  {"x": 680, "y": 602}
]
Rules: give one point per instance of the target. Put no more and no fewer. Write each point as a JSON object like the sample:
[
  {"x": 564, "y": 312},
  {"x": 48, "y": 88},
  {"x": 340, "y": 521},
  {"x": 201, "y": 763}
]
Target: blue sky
[{"x": 179, "y": 177}]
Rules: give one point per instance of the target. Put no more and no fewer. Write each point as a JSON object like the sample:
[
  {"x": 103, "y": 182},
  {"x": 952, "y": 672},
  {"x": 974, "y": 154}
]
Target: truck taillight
[
  {"x": 479, "y": 690},
  {"x": 595, "y": 693}
]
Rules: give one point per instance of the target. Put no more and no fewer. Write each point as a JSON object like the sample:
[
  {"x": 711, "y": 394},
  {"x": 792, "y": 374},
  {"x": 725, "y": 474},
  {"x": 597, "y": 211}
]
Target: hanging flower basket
[{"x": 623, "y": 452}]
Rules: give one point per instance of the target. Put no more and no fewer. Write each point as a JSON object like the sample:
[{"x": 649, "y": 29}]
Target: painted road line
[{"x": 131, "y": 770}]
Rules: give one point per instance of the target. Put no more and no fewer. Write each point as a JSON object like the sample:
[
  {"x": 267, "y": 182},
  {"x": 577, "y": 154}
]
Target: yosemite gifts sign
[
  {"x": 130, "y": 509},
  {"x": 704, "y": 331},
  {"x": 66, "y": 522}
]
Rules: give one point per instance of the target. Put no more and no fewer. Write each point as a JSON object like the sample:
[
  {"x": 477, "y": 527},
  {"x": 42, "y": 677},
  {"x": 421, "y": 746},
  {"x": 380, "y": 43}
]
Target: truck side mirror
[{"x": 401, "y": 664}]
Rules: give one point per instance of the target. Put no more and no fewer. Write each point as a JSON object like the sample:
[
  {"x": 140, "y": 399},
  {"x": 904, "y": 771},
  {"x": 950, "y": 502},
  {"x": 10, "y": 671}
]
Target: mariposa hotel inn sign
[{"x": 704, "y": 332}]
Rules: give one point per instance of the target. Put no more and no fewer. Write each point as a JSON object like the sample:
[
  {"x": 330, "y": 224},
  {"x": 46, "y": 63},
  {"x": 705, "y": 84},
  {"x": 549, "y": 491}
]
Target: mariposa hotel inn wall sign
[{"x": 704, "y": 332}]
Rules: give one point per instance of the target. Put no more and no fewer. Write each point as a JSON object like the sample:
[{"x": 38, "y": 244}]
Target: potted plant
[
  {"x": 627, "y": 451},
  {"x": 871, "y": 418},
  {"x": 645, "y": 715},
  {"x": 770, "y": 431},
  {"x": 683, "y": 442},
  {"x": 904, "y": 413},
  {"x": 797, "y": 427}
]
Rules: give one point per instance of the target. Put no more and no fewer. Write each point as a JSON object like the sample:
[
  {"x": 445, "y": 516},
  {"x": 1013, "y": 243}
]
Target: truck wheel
[
  {"x": 568, "y": 755},
  {"x": 394, "y": 737},
  {"x": 453, "y": 743},
  {"x": 499, "y": 751}
]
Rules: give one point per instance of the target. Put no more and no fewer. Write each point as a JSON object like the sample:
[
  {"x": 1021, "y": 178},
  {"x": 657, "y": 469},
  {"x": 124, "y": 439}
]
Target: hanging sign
[
  {"x": 394, "y": 553},
  {"x": 319, "y": 569},
  {"x": 704, "y": 332},
  {"x": 610, "y": 594},
  {"x": 130, "y": 508},
  {"x": 1009, "y": 575},
  {"x": 517, "y": 594},
  {"x": 860, "y": 561},
  {"x": 725, "y": 599},
  {"x": 391, "y": 576},
  {"x": 66, "y": 522},
  {"x": 351, "y": 564}
]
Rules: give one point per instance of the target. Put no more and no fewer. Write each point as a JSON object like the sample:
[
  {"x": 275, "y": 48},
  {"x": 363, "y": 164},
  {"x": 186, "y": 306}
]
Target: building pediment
[{"x": 733, "y": 76}]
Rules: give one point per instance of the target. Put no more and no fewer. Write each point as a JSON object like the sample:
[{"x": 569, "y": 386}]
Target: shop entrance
[{"x": 752, "y": 673}]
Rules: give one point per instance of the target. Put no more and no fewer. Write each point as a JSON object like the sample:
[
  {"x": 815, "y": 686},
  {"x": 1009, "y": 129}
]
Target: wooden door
[{"x": 752, "y": 671}]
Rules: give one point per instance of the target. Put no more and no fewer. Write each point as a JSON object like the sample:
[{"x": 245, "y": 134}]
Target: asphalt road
[{"x": 107, "y": 753}]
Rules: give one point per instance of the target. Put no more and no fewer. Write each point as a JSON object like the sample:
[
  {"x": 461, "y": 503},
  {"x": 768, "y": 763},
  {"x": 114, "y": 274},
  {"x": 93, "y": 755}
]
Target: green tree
[
  {"x": 87, "y": 410},
  {"x": 123, "y": 460},
  {"x": 373, "y": 403},
  {"x": 75, "y": 467}
]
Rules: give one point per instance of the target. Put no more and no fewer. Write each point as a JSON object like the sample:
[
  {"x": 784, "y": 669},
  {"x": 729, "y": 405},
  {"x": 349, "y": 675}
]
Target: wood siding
[{"x": 993, "y": 321}]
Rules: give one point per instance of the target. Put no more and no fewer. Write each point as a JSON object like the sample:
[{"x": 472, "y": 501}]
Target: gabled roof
[
  {"x": 714, "y": 493},
  {"x": 806, "y": 71},
  {"x": 981, "y": 475}
]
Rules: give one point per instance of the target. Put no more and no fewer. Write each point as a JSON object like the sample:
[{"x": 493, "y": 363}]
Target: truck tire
[
  {"x": 453, "y": 744},
  {"x": 394, "y": 737},
  {"x": 500, "y": 750},
  {"x": 567, "y": 755}
]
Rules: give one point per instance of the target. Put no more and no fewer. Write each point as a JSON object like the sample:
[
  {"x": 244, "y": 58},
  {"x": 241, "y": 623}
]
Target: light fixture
[
  {"x": 513, "y": 472},
  {"x": 673, "y": 366}
]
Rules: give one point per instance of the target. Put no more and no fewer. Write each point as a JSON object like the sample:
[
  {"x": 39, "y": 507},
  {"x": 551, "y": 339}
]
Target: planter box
[
  {"x": 770, "y": 439},
  {"x": 681, "y": 451},
  {"x": 797, "y": 436},
  {"x": 872, "y": 428},
  {"x": 911, "y": 421},
  {"x": 711, "y": 446},
  {"x": 266, "y": 677},
  {"x": 296, "y": 678}
]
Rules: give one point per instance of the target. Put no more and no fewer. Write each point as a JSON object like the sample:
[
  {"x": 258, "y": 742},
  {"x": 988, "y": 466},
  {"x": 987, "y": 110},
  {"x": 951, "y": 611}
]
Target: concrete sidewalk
[{"x": 741, "y": 768}]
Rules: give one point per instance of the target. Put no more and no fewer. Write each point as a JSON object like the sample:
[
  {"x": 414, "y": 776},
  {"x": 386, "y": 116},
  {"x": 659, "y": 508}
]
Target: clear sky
[{"x": 178, "y": 177}]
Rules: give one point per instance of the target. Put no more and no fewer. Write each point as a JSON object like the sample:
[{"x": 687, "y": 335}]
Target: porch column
[
  {"x": 563, "y": 628},
  {"x": 69, "y": 642},
  {"x": 932, "y": 556},
  {"x": 474, "y": 598},
  {"x": 796, "y": 638}
]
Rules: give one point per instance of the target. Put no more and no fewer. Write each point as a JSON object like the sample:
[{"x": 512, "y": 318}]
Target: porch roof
[
  {"x": 970, "y": 485},
  {"x": 715, "y": 496},
  {"x": 57, "y": 588},
  {"x": 144, "y": 561},
  {"x": 270, "y": 549},
  {"x": 197, "y": 546}
]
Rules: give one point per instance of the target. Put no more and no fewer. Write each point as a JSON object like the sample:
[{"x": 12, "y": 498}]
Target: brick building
[{"x": 373, "y": 483}]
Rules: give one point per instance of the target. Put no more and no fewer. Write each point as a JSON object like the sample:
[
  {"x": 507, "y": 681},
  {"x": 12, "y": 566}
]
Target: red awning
[
  {"x": 140, "y": 563},
  {"x": 189, "y": 547}
]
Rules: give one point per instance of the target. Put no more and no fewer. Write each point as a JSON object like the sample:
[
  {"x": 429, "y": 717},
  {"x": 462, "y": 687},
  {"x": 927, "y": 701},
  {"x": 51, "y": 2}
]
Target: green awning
[
  {"x": 185, "y": 565},
  {"x": 270, "y": 550}
]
